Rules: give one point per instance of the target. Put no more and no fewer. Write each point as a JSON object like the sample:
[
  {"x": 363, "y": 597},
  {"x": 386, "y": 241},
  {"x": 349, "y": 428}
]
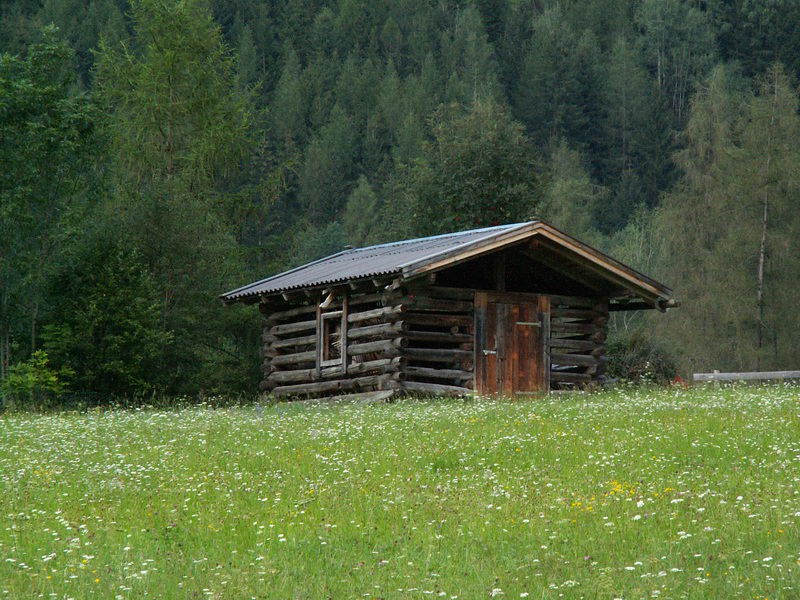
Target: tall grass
[{"x": 626, "y": 494}]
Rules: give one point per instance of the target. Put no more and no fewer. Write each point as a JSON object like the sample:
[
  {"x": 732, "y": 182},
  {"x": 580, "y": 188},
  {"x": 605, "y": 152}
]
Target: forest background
[{"x": 156, "y": 153}]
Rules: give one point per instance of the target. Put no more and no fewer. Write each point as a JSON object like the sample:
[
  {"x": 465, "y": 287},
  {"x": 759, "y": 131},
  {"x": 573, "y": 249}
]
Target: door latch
[{"x": 488, "y": 352}]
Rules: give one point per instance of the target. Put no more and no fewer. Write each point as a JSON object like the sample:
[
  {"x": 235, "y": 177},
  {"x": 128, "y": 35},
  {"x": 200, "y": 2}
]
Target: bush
[
  {"x": 637, "y": 358},
  {"x": 33, "y": 383}
]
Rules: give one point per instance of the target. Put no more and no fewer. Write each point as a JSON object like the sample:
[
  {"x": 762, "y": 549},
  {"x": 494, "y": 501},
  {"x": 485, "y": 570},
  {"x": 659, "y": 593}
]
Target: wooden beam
[
  {"x": 431, "y": 373},
  {"x": 329, "y": 386},
  {"x": 438, "y": 354},
  {"x": 435, "y": 388},
  {"x": 360, "y": 398},
  {"x": 436, "y": 336},
  {"x": 564, "y": 377},
  {"x": 384, "y": 330},
  {"x": 297, "y": 358},
  {"x": 293, "y": 327},
  {"x": 579, "y": 360},
  {"x": 388, "y": 312},
  {"x": 574, "y": 344},
  {"x": 382, "y": 365},
  {"x": 747, "y": 376},
  {"x": 567, "y": 270}
]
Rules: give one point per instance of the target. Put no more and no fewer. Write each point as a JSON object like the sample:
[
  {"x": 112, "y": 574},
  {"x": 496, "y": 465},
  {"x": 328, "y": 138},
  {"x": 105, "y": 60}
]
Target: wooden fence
[{"x": 750, "y": 376}]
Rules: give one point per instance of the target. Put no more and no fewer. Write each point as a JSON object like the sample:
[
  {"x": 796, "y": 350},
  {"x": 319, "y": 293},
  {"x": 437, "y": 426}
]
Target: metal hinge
[{"x": 529, "y": 323}]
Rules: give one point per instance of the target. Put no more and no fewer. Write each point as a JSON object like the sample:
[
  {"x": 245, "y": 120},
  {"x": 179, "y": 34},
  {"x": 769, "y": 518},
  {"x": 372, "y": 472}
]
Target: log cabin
[{"x": 504, "y": 310}]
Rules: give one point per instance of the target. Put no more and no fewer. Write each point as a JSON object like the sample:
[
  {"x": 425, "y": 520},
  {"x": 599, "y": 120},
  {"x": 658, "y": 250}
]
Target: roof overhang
[
  {"x": 641, "y": 287},
  {"x": 637, "y": 291}
]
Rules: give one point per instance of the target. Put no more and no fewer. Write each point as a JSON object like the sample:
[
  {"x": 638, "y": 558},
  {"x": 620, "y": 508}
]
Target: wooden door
[{"x": 511, "y": 334}]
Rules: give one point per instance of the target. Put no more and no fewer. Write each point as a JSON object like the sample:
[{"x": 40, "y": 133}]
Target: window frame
[{"x": 326, "y": 319}]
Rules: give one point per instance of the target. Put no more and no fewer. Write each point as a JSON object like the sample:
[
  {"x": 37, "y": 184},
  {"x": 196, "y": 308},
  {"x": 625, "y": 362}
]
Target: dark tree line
[{"x": 157, "y": 152}]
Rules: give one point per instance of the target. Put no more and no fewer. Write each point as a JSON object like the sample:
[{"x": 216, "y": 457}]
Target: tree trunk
[{"x": 762, "y": 250}]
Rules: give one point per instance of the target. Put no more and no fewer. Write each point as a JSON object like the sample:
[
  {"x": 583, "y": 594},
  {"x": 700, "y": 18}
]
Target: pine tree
[
  {"x": 468, "y": 59},
  {"x": 556, "y": 94},
  {"x": 479, "y": 170},
  {"x": 325, "y": 178},
  {"x": 678, "y": 43},
  {"x": 48, "y": 147},
  {"x": 179, "y": 125},
  {"x": 570, "y": 198},
  {"x": 289, "y": 107},
  {"x": 360, "y": 214}
]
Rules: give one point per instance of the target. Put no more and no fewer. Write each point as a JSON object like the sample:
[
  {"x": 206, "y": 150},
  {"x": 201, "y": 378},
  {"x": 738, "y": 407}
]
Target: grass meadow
[{"x": 623, "y": 494}]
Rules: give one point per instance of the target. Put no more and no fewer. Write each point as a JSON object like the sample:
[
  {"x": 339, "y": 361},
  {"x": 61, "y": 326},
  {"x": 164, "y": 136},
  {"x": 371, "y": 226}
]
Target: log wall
[
  {"x": 438, "y": 354},
  {"x": 371, "y": 349},
  {"x": 578, "y": 329},
  {"x": 415, "y": 340}
]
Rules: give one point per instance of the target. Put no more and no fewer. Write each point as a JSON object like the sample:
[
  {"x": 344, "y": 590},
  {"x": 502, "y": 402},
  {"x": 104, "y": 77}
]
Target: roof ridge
[
  {"x": 437, "y": 236},
  {"x": 335, "y": 267}
]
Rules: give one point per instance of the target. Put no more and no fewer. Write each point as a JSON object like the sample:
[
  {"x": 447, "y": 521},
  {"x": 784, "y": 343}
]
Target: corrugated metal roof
[{"x": 359, "y": 263}]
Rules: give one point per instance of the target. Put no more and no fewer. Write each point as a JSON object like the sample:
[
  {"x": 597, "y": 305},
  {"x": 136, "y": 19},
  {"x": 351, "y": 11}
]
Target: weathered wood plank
[
  {"x": 353, "y": 300},
  {"x": 425, "y": 303},
  {"x": 286, "y": 328},
  {"x": 580, "y": 360},
  {"x": 382, "y": 365},
  {"x": 435, "y": 388},
  {"x": 438, "y": 354},
  {"x": 431, "y": 373},
  {"x": 387, "y": 313},
  {"x": 298, "y": 357},
  {"x": 383, "y": 346},
  {"x": 574, "y": 344},
  {"x": 560, "y": 327},
  {"x": 330, "y": 386},
  {"x": 562, "y": 377},
  {"x": 575, "y": 313},
  {"x": 437, "y": 291},
  {"x": 438, "y": 319},
  {"x": 305, "y": 340},
  {"x": 575, "y": 301},
  {"x": 437, "y": 336},
  {"x": 747, "y": 376},
  {"x": 389, "y": 330}
]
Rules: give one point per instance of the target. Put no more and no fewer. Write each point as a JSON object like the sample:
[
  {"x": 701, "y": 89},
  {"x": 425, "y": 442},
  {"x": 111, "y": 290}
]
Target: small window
[{"x": 330, "y": 338}]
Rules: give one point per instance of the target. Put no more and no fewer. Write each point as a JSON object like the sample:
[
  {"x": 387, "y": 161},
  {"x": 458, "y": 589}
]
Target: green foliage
[
  {"x": 177, "y": 117},
  {"x": 47, "y": 150},
  {"x": 472, "y": 489},
  {"x": 313, "y": 242},
  {"x": 107, "y": 327},
  {"x": 325, "y": 177},
  {"x": 678, "y": 45},
  {"x": 638, "y": 138},
  {"x": 480, "y": 169},
  {"x": 179, "y": 126},
  {"x": 33, "y": 384},
  {"x": 637, "y": 358},
  {"x": 556, "y": 93},
  {"x": 361, "y": 213},
  {"x": 758, "y": 34},
  {"x": 737, "y": 205},
  {"x": 570, "y": 197},
  {"x": 236, "y": 138}
]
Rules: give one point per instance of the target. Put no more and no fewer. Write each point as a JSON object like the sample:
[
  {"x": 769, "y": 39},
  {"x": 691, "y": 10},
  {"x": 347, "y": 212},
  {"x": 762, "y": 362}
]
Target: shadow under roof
[{"x": 412, "y": 258}]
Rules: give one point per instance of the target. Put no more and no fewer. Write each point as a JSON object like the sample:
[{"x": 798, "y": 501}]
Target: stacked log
[
  {"x": 371, "y": 360},
  {"x": 438, "y": 353},
  {"x": 577, "y": 340}
]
